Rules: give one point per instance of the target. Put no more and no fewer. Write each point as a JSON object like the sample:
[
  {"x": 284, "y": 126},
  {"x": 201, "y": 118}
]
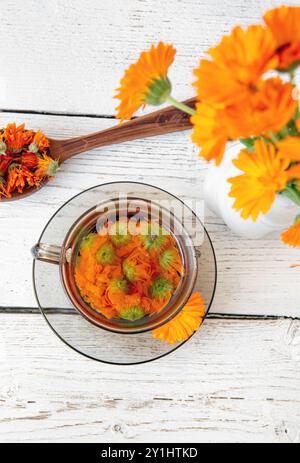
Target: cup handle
[{"x": 47, "y": 253}]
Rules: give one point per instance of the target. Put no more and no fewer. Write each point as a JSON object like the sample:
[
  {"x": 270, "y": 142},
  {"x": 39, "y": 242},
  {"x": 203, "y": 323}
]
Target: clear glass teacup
[{"x": 135, "y": 204}]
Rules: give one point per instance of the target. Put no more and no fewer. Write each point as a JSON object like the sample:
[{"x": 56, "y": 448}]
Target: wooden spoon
[{"x": 159, "y": 122}]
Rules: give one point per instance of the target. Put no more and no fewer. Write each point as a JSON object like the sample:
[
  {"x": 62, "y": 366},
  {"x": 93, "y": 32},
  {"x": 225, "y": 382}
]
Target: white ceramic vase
[{"x": 216, "y": 190}]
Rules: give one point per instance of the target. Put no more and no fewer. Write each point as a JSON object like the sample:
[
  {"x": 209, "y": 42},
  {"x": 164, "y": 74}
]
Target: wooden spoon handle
[{"x": 159, "y": 122}]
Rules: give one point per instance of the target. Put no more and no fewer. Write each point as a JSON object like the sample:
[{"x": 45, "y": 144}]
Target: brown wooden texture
[{"x": 159, "y": 122}]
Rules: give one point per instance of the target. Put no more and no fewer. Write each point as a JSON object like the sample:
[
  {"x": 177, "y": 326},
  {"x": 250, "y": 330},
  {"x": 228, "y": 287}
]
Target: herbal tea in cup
[{"x": 127, "y": 265}]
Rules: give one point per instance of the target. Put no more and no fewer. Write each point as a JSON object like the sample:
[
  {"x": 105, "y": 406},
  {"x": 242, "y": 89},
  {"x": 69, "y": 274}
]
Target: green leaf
[
  {"x": 292, "y": 193},
  {"x": 249, "y": 143}
]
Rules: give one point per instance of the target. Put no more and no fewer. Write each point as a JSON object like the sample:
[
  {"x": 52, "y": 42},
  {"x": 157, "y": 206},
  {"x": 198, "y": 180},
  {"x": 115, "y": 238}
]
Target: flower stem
[
  {"x": 183, "y": 107},
  {"x": 273, "y": 138},
  {"x": 292, "y": 76}
]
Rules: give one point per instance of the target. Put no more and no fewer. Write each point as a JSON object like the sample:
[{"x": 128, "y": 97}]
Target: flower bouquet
[{"x": 246, "y": 90}]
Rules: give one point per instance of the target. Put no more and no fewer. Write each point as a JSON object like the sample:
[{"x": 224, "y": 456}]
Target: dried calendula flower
[
  {"x": 46, "y": 166},
  {"x": 25, "y": 159}
]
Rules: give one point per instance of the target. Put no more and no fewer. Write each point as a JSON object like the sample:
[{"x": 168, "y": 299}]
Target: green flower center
[
  {"x": 166, "y": 259},
  {"x": 106, "y": 254},
  {"x": 153, "y": 237},
  {"x": 129, "y": 270},
  {"x": 119, "y": 233},
  {"x": 88, "y": 241},
  {"x": 160, "y": 288},
  {"x": 132, "y": 313},
  {"x": 119, "y": 284}
]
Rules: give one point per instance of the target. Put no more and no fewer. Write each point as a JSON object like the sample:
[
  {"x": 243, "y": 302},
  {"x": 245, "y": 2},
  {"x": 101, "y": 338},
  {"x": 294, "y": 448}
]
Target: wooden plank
[
  {"x": 236, "y": 380},
  {"x": 255, "y": 277},
  {"x": 69, "y": 56}
]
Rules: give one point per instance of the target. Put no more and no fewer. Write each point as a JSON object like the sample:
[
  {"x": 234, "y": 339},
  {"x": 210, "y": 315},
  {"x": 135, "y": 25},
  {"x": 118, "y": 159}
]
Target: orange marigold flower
[
  {"x": 268, "y": 109},
  {"x": 29, "y": 160},
  {"x": 294, "y": 173},
  {"x": 19, "y": 177},
  {"x": 292, "y": 235},
  {"x": 145, "y": 81},
  {"x": 264, "y": 175},
  {"x": 47, "y": 166},
  {"x": 289, "y": 148},
  {"x": 40, "y": 142},
  {"x": 185, "y": 323},
  {"x": 237, "y": 64},
  {"x": 5, "y": 161},
  {"x": 284, "y": 24},
  {"x": 210, "y": 133},
  {"x": 17, "y": 137}
]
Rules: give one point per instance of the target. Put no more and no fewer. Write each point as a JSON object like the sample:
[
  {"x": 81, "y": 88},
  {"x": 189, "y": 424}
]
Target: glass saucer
[{"x": 69, "y": 324}]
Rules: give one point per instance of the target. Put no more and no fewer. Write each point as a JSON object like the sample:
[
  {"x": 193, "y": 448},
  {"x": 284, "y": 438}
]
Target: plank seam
[
  {"x": 61, "y": 114},
  {"x": 211, "y": 316}
]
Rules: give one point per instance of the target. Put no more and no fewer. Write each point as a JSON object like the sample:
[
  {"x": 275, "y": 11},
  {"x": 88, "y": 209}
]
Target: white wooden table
[{"x": 239, "y": 377}]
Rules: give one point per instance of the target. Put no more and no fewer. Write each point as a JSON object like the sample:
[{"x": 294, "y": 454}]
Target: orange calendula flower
[
  {"x": 289, "y": 148},
  {"x": 29, "y": 160},
  {"x": 237, "y": 64},
  {"x": 209, "y": 132},
  {"x": 284, "y": 24},
  {"x": 19, "y": 177},
  {"x": 264, "y": 176},
  {"x": 17, "y": 137},
  {"x": 146, "y": 80},
  {"x": 294, "y": 173},
  {"x": 24, "y": 159},
  {"x": 47, "y": 167},
  {"x": 269, "y": 108},
  {"x": 214, "y": 126},
  {"x": 185, "y": 323},
  {"x": 39, "y": 143},
  {"x": 292, "y": 235}
]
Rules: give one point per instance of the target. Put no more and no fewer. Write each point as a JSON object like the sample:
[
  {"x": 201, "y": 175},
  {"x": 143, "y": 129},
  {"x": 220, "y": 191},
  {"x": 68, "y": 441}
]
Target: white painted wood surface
[
  {"x": 255, "y": 277},
  {"x": 68, "y": 56},
  {"x": 237, "y": 380}
]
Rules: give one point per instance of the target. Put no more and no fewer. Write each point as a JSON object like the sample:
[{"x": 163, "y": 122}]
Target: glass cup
[
  {"x": 134, "y": 209},
  {"x": 74, "y": 321}
]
